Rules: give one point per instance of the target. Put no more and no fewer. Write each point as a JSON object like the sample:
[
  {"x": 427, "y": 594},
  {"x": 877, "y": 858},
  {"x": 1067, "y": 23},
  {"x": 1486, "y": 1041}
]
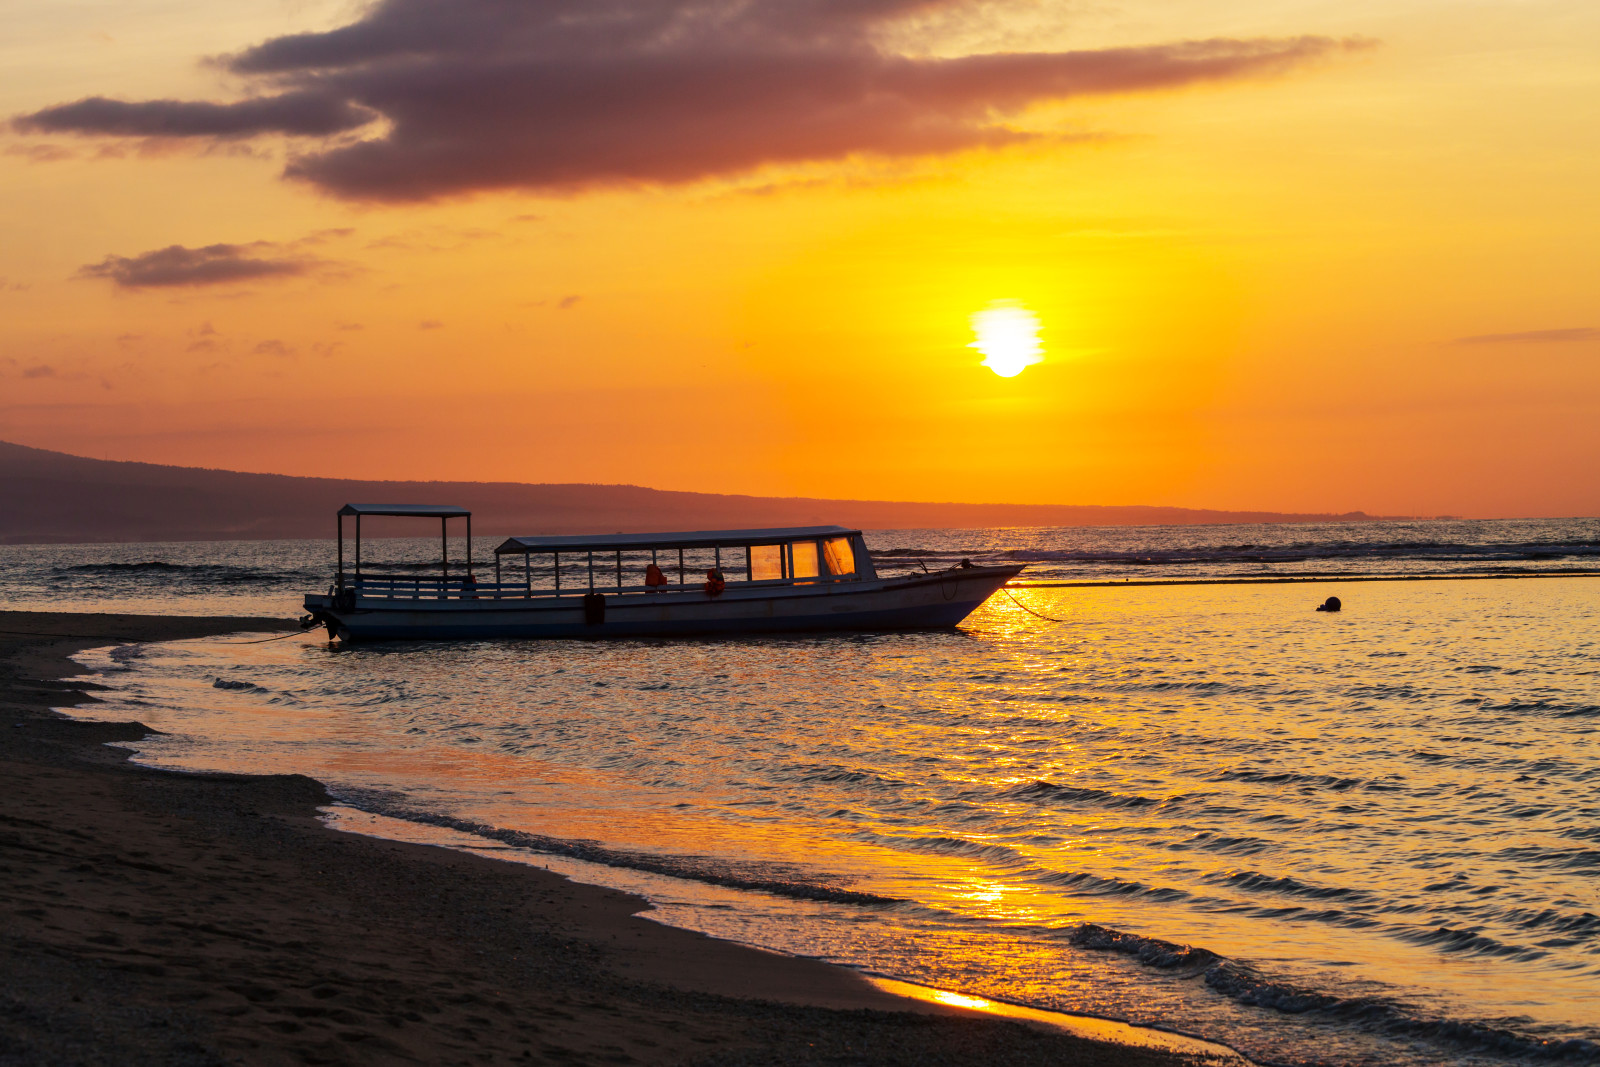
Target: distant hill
[{"x": 51, "y": 497}]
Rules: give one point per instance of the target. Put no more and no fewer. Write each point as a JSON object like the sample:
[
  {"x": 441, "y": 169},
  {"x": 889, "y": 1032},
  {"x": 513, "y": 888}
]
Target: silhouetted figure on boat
[
  {"x": 715, "y": 583},
  {"x": 1331, "y": 604},
  {"x": 654, "y": 579}
]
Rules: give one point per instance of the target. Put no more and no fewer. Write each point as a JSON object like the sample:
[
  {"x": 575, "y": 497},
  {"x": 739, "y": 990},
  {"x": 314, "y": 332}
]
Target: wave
[
  {"x": 200, "y": 573},
  {"x": 1247, "y": 985},
  {"x": 1326, "y": 781},
  {"x": 1266, "y": 883},
  {"x": 1042, "y": 790},
  {"x": 223, "y": 683},
  {"x": 778, "y": 879},
  {"x": 1305, "y": 551}
]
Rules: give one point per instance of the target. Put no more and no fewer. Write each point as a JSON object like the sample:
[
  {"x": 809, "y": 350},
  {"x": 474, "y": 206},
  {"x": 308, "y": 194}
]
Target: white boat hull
[{"x": 933, "y": 601}]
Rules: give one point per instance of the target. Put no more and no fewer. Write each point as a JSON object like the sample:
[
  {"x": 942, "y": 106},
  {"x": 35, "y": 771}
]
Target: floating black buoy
[{"x": 1331, "y": 604}]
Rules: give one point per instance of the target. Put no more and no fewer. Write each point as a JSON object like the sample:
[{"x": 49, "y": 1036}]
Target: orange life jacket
[
  {"x": 653, "y": 576},
  {"x": 714, "y": 582}
]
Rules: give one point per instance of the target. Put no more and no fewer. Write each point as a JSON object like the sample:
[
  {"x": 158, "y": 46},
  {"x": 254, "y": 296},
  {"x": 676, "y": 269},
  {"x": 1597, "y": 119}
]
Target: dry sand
[{"x": 153, "y": 917}]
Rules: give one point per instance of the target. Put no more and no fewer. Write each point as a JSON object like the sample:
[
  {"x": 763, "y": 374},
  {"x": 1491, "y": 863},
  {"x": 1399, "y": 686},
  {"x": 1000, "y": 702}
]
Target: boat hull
[{"x": 935, "y": 601}]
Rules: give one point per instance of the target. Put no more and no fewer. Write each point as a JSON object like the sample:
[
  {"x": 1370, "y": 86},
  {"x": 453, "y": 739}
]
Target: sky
[{"x": 1290, "y": 255}]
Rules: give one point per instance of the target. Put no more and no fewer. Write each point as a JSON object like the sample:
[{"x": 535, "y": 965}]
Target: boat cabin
[{"x": 619, "y": 563}]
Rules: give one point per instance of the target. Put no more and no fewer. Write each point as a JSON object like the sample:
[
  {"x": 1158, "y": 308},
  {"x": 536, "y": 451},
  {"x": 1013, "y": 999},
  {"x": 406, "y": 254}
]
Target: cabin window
[
  {"x": 766, "y": 562},
  {"x": 840, "y": 559},
  {"x": 805, "y": 559}
]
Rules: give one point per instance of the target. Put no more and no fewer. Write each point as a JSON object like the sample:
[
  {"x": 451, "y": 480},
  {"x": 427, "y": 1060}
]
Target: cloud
[
  {"x": 563, "y": 95},
  {"x": 1577, "y": 333},
  {"x": 272, "y": 347},
  {"x": 40, "y": 371},
  {"x": 41, "y": 153},
  {"x": 430, "y": 324},
  {"x": 567, "y": 302},
  {"x": 176, "y": 265}
]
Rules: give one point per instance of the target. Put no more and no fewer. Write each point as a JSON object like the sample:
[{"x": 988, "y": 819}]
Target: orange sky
[{"x": 1339, "y": 256}]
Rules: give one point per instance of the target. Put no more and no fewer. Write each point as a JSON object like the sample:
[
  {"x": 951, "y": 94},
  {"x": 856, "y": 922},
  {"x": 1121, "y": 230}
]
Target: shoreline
[
  {"x": 159, "y": 917},
  {"x": 1294, "y": 579}
]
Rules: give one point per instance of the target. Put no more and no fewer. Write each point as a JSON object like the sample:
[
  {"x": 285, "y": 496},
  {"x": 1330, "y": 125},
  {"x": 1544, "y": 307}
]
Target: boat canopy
[
  {"x": 414, "y": 511},
  {"x": 689, "y": 539},
  {"x": 443, "y": 512}
]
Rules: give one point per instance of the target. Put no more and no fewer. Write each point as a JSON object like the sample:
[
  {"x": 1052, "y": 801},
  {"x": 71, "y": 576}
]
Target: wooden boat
[{"x": 792, "y": 579}]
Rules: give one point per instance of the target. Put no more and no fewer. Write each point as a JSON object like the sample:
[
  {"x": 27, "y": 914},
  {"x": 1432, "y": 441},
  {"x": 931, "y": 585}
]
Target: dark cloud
[
  {"x": 211, "y": 265},
  {"x": 1576, "y": 333},
  {"x": 305, "y": 113},
  {"x": 564, "y": 94},
  {"x": 272, "y": 347},
  {"x": 568, "y": 301},
  {"x": 430, "y": 324},
  {"x": 42, "y": 370}
]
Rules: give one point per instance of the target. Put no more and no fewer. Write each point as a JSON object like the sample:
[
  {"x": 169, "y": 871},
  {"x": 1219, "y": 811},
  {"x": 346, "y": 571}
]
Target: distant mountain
[{"x": 51, "y": 497}]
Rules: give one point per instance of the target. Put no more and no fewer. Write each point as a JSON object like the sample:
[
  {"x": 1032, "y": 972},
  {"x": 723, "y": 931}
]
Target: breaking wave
[{"x": 1247, "y": 985}]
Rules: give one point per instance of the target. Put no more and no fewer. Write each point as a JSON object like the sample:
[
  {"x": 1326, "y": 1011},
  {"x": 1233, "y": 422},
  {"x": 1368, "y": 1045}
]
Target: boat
[{"x": 790, "y": 579}]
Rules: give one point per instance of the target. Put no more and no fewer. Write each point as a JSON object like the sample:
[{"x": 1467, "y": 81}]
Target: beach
[{"x": 156, "y": 917}]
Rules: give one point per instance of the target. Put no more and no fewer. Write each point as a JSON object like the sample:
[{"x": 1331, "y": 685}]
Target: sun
[{"x": 1008, "y": 337}]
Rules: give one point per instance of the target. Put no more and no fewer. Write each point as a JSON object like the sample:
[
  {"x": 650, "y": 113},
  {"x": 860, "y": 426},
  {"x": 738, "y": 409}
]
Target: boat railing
[{"x": 417, "y": 587}]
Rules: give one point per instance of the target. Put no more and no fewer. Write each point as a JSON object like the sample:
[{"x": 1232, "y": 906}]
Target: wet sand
[{"x": 154, "y": 917}]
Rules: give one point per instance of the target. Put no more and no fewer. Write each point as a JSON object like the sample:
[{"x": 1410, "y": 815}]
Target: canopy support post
[
  {"x": 680, "y": 566},
  {"x": 469, "y": 551},
  {"x": 527, "y": 572},
  {"x": 339, "y": 581},
  {"x": 444, "y": 560},
  {"x": 358, "y": 550}
]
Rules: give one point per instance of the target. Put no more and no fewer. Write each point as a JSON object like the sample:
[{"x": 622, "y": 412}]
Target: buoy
[{"x": 1331, "y": 604}]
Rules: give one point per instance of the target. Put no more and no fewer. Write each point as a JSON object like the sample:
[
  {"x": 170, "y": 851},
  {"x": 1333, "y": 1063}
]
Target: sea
[{"x": 1156, "y": 785}]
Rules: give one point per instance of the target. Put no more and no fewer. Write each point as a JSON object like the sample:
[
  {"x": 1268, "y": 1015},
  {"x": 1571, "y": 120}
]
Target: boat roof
[
  {"x": 685, "y": 539},
  {"x": 421, "y": 511}
]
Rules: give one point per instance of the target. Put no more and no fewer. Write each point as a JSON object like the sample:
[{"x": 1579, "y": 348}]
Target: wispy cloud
[
  {"x": 570, "y": 94},
  {"x": 1574, "y": 333},
  {"x": 303, "y": 113},
  {"x": 217, "y": 264}
]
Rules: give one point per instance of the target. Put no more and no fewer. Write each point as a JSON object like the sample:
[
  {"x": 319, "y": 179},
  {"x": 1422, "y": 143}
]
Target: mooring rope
[
  {"x": 264, "y": 640},
  {"x": 121, "y": 639},
  {"x": 1025, "y": 607}
]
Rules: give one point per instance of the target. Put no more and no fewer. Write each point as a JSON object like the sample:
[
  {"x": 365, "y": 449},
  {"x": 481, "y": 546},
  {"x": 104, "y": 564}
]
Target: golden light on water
[{"x": 1008, "y": 337}]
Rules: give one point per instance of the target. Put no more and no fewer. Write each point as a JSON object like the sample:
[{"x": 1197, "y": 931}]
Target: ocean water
[{"x": 1370, "y": 837}]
